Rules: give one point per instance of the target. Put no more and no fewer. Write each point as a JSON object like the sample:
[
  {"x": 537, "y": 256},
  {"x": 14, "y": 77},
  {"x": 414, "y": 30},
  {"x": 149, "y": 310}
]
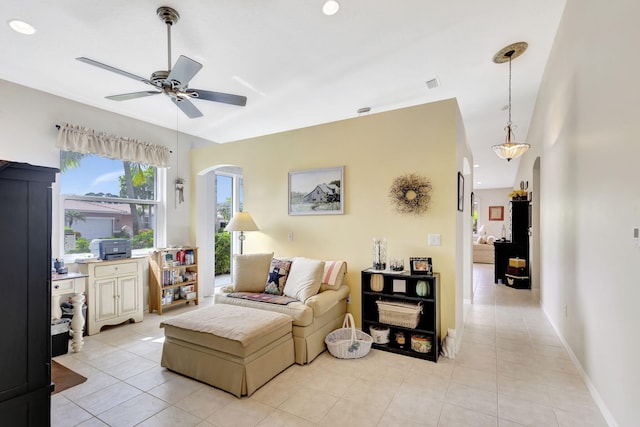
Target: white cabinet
[{"x": 114, "y": 292}]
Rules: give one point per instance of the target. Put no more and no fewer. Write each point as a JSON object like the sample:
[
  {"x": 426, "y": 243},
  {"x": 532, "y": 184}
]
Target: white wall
[{"x": 585, "y": 129}]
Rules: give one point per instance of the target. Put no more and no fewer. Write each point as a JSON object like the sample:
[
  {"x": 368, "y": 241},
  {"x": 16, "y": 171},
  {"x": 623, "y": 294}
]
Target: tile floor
[{"x": 511, "y": 370}]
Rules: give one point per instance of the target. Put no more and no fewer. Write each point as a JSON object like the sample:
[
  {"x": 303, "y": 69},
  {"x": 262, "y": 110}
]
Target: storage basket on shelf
[
  {"x": 348, "y": 342},
  {"x": 399, "y": 313}
]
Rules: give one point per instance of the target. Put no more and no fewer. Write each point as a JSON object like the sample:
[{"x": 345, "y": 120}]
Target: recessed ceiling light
[
  {"x": 330, "y": 7},
  {"x": 476, "y": 166},
  {"x": 21, "y": 27}
]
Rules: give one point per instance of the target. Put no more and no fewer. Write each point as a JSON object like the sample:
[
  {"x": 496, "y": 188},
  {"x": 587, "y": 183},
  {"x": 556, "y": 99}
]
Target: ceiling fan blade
[
  {"x": 112, "y": 69},
  {"x": 184, "y": 70},
  {"x": 226, "y": 98},
  {"x": 188, "y": 108},
  {"x": 132, "y": 95}
]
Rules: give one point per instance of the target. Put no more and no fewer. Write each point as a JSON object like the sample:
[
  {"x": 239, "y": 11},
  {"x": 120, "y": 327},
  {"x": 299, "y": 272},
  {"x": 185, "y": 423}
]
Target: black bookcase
[
  {"x": 25, "y": 328},
  {"x": 429, "y": 322},
  {"x": 517, "y": 247}
]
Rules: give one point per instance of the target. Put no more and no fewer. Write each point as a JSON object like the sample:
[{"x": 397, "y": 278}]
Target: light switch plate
[{"x": 434, "y": 240}]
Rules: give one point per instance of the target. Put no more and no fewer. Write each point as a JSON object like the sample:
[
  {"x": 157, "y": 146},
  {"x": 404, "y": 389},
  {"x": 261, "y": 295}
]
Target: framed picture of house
[
  {"x": 496, "y": 213},
  {"x": 317, "y": 191}
]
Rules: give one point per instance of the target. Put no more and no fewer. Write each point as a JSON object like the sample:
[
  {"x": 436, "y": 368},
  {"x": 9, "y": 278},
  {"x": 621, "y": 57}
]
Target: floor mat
[{"x": 63, "y": 377}]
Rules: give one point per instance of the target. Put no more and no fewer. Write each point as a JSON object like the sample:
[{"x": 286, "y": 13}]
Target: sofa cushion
[
  {"x": 301, "y": 314},
  {"x": 250, "y": 271},
  {"x": 304, "y": 278},
  {"x": 333, "y": 275},
  {"x": 277, "y": 276}
]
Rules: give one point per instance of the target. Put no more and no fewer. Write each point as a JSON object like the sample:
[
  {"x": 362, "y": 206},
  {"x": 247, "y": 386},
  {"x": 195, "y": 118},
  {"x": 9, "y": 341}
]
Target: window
[{"x": 106, "y": 198}]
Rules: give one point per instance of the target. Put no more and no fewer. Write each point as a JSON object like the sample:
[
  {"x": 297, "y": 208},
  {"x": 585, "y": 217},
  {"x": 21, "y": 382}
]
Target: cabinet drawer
[
  {"x": 62, "y": 286},
  {"x": 116, "y": 269}
]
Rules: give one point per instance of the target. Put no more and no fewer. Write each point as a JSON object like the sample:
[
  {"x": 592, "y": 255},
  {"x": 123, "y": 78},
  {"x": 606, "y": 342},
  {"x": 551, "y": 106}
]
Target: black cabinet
[
  {"x": 25, "y": 327},
  {"x": 517, "y": 247},
  {"x": 411, "y": 291}
]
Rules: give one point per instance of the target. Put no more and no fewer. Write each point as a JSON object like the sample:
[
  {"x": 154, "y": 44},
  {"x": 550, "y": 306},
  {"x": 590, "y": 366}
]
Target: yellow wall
[{"x": 373, "y": 149}]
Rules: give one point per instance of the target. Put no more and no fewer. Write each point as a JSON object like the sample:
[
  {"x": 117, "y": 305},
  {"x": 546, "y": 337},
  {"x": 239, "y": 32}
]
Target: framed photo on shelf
[
  {"x": 496, "y": 213},
  {"x": 421, "y": 266},
  {"x": 399, "y": 286},
  {"x": 317, "y": 191},
  {"x": 460, "y": 192}
]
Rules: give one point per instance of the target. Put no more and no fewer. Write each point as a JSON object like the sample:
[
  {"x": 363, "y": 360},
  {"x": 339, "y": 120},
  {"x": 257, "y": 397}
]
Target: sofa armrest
[{"x": 324, "y": 301}]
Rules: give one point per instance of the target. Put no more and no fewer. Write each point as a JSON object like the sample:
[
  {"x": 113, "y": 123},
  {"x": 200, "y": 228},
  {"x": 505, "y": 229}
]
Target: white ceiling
[{"x": 296, "y": 66}]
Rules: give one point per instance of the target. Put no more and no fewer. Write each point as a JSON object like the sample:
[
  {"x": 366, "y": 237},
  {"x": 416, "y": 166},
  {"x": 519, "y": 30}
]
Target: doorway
[{"x": 212, "y": 214}]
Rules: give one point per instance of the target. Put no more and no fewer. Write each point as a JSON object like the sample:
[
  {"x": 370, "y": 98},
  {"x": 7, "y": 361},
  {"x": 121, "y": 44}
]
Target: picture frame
[
  {"x": 399, "y": 286},
  {"x": 317, "y": 191},
  {"x": 421, "y": 266},
  {"x": 496, "y": 213},
  {"x": 460, "y": 192}
]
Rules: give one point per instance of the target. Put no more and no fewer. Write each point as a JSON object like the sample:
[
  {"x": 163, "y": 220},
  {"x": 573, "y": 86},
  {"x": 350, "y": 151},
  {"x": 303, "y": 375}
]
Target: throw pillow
[
  {"x": 304, "y": 278},
  {"x": 249, "y": 271},
  {"x": 333, "y": 275},
  {"x": 278, "y": 273}
]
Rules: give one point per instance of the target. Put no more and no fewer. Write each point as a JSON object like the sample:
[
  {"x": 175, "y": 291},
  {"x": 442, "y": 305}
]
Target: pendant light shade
[{"x": 509, "y": 149}]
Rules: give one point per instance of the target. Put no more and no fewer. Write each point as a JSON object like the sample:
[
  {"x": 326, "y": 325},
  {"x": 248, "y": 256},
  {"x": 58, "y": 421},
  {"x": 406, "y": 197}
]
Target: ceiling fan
[{"x": 173, "y": 82}]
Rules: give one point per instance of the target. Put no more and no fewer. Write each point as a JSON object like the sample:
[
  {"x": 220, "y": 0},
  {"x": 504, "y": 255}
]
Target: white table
[{"x": 70, "y": 283}]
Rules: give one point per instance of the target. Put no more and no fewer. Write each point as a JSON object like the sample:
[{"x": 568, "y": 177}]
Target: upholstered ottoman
[{"x": 237, "y": 349}]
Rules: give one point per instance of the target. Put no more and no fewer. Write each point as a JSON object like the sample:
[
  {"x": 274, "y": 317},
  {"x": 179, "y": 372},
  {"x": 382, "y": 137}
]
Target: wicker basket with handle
[{"x": 348, "y": 342}]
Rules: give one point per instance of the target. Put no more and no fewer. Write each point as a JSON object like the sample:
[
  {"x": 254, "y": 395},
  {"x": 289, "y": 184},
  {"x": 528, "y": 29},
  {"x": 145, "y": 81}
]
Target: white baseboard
[{"x": 604, "y": 410}]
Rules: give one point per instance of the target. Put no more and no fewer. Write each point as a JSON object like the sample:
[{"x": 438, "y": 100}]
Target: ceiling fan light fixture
[
  {"x": 21, "y": 27},
  {"x": 509, "y": 149},
  {"x": 330, "y": 7}
]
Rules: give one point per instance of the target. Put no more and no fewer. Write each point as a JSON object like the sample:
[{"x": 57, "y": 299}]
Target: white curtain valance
[{"x": 85, "y": 140}]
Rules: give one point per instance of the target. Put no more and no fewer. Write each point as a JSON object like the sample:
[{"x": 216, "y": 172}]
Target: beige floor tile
[
  {"x": 525, "y": 412},
  {"x": 240, "y": 413},
  {"x": 279, "y": 418},
  {"x": 532, "y": 390},
  {"x": 483, "y": 380},
  {"x": 105, "y": 399},
  {"x": 205, "y": 402},
  {"x": 171, "y": 417},
  {"x": 130, "y": 368},
  {"x": 151, "y": 378},
  {"x": 94, "y": 383},
  {"x": 64, "y": 412},
  {"x": 472, "y": 399},
  {"x": 93, "y": 422},
  {"x": 176, "y": 389},
  {"x": 353, "y": 413},
  {"x": 309, "y": 404},
  {"x": 133, "y": 411},
  {"x": 456, "y": 416}
]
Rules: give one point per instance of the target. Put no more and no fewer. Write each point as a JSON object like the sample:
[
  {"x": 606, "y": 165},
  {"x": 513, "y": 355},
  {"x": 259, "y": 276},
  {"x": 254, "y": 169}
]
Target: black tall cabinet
[
  {"x": 517, "y": 247},
  {"x": 25, "y": 268}
]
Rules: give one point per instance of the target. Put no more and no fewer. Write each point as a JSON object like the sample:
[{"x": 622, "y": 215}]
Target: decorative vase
[
  {"x": 377, "y": 282},
  {"x": 422, "y": 288},
  {"x": 379, "y": 254}
]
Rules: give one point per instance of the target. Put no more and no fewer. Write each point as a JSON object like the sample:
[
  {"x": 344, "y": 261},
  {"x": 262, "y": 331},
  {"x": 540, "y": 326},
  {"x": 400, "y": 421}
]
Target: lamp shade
[{"x": 241, "y": 221}]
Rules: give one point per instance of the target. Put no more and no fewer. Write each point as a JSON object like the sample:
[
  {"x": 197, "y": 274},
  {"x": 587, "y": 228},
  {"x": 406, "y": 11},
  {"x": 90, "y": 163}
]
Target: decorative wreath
[{"x": 411, "y": 193}]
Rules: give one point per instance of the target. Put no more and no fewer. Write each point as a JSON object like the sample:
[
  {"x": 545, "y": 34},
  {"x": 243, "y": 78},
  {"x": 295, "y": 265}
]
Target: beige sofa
[
  {"x": 483, "y": 250},
  {"x": 316, "y": 289}
]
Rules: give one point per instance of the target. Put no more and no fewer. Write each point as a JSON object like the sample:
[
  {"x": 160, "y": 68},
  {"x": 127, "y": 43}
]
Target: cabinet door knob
[{"x": 56, "y": 286}]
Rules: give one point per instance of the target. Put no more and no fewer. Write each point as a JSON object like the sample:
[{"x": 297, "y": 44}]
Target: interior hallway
[{"x": 511, "y": 370}]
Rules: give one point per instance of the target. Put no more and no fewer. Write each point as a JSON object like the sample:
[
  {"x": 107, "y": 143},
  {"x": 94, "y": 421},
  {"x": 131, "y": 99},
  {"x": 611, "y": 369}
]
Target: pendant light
[{"x": 509, "y": 149}]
